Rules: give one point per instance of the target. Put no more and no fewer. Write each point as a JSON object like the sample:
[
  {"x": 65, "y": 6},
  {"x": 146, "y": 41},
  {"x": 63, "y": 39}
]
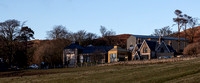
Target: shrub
[{"x": 191, "y": 49}]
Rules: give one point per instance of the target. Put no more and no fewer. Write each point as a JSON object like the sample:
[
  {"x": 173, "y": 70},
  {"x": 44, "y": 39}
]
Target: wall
[
  {"x": 148, "y": 50},
  {"x": 111, "y": 52},
  {"x": 165, "y": 54},
  {"x": 131, "y": 41}
]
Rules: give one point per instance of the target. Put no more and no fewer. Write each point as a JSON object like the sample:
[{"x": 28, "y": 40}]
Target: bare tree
[
  {"x": 163, "y": 31},
  {"x": 9, "y": 31},
  {"x": 79, "y": 36},
  {"x": 58, "y": 32},
  {"x": 91, "y": 36},
  {"x": 105, "y": 32}
]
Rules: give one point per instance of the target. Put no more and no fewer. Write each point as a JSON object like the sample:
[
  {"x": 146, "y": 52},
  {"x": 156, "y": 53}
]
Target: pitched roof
[
  {"x": 157, "y": 37},
  {"x": 73, "y": 46},
  {"x": 152, "y": 44},
  {"x": 117, "y": 48},
  {"x": 138, "y": 45},
  {"x": 138, "y": 52},
  {"x": 171, "y": 49},
  {"x": 93, "y": 49}
]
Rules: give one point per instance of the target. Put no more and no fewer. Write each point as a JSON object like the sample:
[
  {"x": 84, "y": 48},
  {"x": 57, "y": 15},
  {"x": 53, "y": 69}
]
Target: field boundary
[{"x": 152, "y": 61}]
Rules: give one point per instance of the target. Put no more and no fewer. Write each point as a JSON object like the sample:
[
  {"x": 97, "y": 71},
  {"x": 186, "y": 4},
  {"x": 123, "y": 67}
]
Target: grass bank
[{"x": 180, "y": 72}]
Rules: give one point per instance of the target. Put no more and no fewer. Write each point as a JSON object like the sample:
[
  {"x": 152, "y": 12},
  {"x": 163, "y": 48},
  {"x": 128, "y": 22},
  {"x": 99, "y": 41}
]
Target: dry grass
[{"x": 178, "y": 70}]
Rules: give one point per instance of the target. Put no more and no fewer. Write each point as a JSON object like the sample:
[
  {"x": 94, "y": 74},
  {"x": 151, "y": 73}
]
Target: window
[
  {"x": 113, "y": 57},
  {"x": 145, "y": 50}
]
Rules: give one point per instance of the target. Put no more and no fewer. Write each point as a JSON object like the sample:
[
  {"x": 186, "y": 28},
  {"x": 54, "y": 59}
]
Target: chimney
[
  {"x": 170, "y": 43},
  {"x": 160, "y": 39},
  {"x": 115, "y": 46},
  {"x": 138, "y": 41}
]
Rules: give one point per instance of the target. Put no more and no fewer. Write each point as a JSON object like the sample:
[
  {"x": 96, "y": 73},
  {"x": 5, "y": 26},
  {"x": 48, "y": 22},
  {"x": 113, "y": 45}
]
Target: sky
[{"x": 138, "y": 17}]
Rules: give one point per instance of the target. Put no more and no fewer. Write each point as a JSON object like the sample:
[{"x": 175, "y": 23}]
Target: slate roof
[
  {"x": 118, "y": 49},
  {"x": 157, "y": 37},
  {"x": 171, "y": 49},
  {"x": 138, "y": 52},
  {"x": 138, "y": 45},
  {"x": 92, "y": 49},
  {"x": 73, "y": 46},
  {"x": 152, "y": 44}
]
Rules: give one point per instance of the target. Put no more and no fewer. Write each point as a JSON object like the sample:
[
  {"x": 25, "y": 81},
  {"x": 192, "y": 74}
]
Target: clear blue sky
[{"x": 123, "y": 16}]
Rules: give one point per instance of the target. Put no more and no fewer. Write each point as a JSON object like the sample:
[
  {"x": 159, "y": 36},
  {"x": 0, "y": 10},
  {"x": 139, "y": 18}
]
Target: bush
[{"x": 191, "y": 49}]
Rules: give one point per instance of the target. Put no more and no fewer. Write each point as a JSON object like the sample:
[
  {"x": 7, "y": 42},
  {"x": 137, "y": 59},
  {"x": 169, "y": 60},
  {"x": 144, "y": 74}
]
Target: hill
[
  {"x": 193, "y": 34},
  {"x": 119, "y": 40}
]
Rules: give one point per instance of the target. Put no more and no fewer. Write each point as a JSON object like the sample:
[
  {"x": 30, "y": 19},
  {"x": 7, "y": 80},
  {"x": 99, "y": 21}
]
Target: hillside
[
  {"x": 119, "y": 40},
  {"x": 192, "y": 34}
]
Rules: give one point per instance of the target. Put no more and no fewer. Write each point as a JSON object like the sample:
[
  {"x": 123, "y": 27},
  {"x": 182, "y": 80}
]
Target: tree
[
  {"x": 9, "y": 31},
  {"x": 105, "y": 32},
  {"x": 79, "y": 36},
  {"x": 180, "y": 22},
  {"x": 25, "y": 34},
  {"x": 163, "y": 31},
  {"x": 91, "y": 36},
  {"x": 89, "y": 39},
  {"x": 58, "y": 32},
  {"x": 50, "y": 52},
  {"x": 14, "y": 42}
]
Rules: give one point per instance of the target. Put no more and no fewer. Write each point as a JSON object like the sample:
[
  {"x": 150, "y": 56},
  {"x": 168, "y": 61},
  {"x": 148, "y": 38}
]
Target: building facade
[{"x": 172, "y": 41}]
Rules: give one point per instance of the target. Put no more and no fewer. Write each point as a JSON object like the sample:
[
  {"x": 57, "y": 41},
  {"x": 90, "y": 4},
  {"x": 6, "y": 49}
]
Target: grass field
[{"x": 178, "y": 72}]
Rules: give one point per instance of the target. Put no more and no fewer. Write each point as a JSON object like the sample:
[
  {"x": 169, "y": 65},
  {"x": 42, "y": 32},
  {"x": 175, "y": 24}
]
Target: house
[
  {"x": 172, "y": 41},
  {"x": 95, "y": 54},
  {"x": 71, "y": 54},
  {"x": 151, "y": 49},
  {"x": 74, "y": 54},
  {"x": 164, "y": 51},
  {"x": 148, "y": 49},
  {"x": 136, "y": 55},
  {"x": 117, "y": 54},
  {"x": 135, "y": 52}
]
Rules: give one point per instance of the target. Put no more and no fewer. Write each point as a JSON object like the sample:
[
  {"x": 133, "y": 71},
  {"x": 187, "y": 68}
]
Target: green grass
[{"x": 178, "y": 72}]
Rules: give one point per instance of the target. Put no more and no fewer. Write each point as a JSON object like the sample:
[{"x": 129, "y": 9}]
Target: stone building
[{"x": 172, "y": 41}]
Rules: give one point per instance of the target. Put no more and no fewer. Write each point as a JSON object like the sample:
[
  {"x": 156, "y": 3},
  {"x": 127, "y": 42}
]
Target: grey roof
[
  {"x": 152, "y": 44},
  {"x": 138, "y": 52},
  {"x": 73, "y": 46},
  {"x": 138, "y": 45},
  {"x": 157, "y": 37},
  {"x": 93, "y": 49},
  {"x": 117, "y": 48},
  {"x": 171, "y": 49}
]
